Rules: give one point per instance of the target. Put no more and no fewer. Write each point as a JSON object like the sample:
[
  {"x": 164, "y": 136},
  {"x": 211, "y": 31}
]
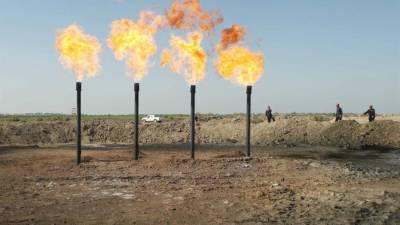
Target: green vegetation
[
  {"x": 60, "y": 118},
  {"x": 71, "y": 118},
  {"x": 256, "y": 117},
  {"x": 321, "y": 118}
]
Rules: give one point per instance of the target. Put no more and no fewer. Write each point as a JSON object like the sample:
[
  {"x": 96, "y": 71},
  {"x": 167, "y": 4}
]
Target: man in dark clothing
[
  {"x": 339, "y": 113},
  {"x": 269, "y": 115},
  {"x": 371, "y": 113}
]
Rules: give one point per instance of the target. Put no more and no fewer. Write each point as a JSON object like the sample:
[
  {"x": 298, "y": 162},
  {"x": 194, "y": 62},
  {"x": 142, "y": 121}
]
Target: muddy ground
[
  {"x": 300, "y": 185},
  {"x": 352, "y": 133}
]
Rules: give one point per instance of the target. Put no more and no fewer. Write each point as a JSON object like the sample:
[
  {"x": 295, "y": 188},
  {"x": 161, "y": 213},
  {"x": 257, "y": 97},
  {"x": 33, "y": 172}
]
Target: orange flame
[
  {"x": 187, "y": 14},
  {"x": 186, "y": 57},
  {"x": 231, "y": 36},
  {"x": 78, "y": 51},
  {"x": 134, "y": 42},
  {"x": 240, "y": 65}
]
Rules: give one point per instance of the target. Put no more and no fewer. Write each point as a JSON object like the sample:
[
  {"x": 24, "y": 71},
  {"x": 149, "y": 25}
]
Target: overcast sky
[{"x": 317, "y": 53}]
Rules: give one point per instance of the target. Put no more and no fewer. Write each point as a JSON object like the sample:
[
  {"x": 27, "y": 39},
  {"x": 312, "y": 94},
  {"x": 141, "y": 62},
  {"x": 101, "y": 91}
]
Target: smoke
[
  {"x": 188, "y": 14},
  {"x": 78, "y": 51},
  {"x": 134, "y": 41},
  {"x": 186, "y": 57}
]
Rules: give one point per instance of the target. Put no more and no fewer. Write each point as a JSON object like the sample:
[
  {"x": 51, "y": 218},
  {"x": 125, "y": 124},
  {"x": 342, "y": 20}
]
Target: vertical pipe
[
  {"x": 248, "y": 92},
  {"x": 136, "y": 131},
  {"x": 78, "y": 122},
  {"x": 192, "y": 115}
]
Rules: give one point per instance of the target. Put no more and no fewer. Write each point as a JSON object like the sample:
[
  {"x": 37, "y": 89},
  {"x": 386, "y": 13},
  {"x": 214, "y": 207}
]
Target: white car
[{"x": 151, "y": 118}]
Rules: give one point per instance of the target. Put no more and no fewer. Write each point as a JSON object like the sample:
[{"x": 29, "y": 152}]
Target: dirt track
[
  {"x": 302, "y": 185},
  {"x": 382, "y": 134}
]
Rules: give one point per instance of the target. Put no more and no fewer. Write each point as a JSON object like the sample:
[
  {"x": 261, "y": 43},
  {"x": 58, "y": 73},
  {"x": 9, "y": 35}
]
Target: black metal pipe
[
  {"x": 78, "y": 122},
  {"x": 136, "y": 131},
  {"x": 248, "y": 119},
  {"x": 192, "y": 115}
]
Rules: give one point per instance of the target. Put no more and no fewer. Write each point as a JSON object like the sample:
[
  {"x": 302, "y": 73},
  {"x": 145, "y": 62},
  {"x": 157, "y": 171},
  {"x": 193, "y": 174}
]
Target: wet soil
[{"x": 300, "y": 185}]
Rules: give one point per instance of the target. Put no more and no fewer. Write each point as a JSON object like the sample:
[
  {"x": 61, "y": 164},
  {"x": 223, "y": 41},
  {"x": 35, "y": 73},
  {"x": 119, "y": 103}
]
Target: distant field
[
  {"x": 256, "y": 118},
  {"x": 85, "y": 118}
]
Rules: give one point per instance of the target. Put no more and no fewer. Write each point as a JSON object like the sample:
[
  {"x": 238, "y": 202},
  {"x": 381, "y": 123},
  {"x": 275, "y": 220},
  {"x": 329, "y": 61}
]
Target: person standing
[
  {"x": 269, "y": 115},
  {"x": 371, "y": 113},
  {"x": 339, "y": 113}
]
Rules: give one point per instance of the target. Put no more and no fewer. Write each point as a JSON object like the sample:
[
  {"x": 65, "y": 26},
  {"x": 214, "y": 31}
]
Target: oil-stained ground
[{"x": 301, "y": 185}]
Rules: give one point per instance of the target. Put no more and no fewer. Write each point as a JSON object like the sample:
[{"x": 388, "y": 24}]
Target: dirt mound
[
  {"x": 288, "y": 132},
  {"x": 221, "y": 130},
  {"x": 37, "y": 133},
  {"x": 379, "y": 133},
  {"x": 341, "y": 134},
  {"x": 350, "y": 134}
]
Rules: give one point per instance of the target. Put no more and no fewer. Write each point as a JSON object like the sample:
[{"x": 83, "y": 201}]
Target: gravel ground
[{"x": 300, "y": 185}]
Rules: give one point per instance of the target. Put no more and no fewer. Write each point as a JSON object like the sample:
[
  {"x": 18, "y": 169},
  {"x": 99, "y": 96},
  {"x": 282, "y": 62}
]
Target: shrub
[{"x": 15, "y": 119}]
